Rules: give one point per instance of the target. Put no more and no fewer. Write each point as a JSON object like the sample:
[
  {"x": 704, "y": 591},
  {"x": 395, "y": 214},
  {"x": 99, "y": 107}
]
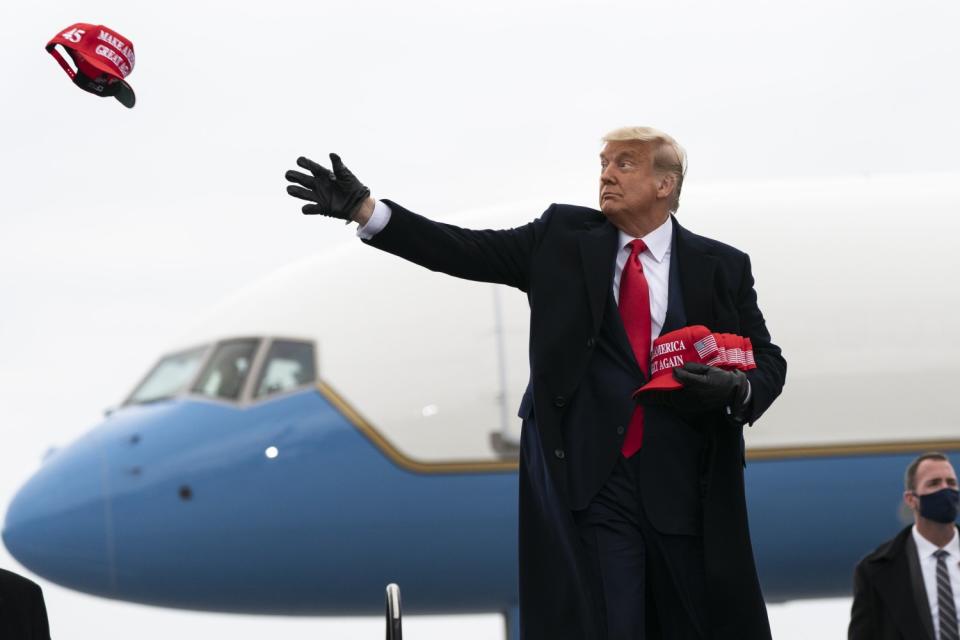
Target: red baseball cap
[
  {"x": 103, "y": 58},
  {"x": 695, "y": 343}
]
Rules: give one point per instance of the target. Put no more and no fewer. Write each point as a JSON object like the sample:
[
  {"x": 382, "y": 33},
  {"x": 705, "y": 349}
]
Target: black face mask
[{"x": 940, "y": 506}]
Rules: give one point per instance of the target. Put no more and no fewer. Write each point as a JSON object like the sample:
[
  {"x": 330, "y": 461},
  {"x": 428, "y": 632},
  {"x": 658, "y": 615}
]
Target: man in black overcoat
[
  {"x": 613, "y": 544},
  {"x": 897, "y": 592}
]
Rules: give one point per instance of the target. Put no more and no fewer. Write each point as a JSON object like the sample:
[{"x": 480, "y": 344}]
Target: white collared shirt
[
  {"x": 656, "y": 269},
  {"x": 928, "y": 566}
]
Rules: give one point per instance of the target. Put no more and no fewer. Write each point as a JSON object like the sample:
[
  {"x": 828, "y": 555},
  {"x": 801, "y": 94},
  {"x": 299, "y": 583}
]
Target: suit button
[
  {"x": 620, "y": 431},
  {"x": 591, "y": 342},
  {"x": 559, "y": 453},
  {"x": 560, "y": 402}
]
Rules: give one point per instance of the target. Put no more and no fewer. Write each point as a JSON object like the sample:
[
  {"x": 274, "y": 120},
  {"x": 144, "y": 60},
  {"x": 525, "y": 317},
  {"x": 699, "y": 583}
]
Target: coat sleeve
[
  {"x": 767, "y": 380},
  {"x": 498, "y": 256},
  {"x": 862, "y": 623}
]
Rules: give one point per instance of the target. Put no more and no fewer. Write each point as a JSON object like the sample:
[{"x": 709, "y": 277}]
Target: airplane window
[
  {"x": 168, "y": 376},
  {"x": 227, "y": 369},
  {"x": 289, "y": 365}
]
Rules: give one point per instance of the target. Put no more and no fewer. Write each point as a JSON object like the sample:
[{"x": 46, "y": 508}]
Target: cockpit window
[
  {"x": 288, "y": 365},
  {"x": 168, "y": 377},
  {"x": 227, "y": 370}
]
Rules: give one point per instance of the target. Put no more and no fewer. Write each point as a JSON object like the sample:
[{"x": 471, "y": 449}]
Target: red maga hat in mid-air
[
  {"x": 103, "y": 57},
  {"x": 695, "y": 343}
]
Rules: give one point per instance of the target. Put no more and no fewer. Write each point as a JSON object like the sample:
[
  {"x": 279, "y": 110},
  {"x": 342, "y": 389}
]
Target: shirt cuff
[{"x": 378, "y": 220}]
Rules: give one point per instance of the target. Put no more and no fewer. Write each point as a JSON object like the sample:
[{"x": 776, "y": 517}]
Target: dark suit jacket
[
  {"x": 564, "y": 261},
  {"x": 889, "y": 598},
  {"x": 23, "y": 615}
]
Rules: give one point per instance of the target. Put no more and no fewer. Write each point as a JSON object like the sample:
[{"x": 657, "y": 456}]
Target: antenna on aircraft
[{"x": 394, "y": 626}]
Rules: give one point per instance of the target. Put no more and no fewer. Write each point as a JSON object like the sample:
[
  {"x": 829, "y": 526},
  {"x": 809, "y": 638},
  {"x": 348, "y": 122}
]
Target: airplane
[{"x": 348, "y": 421}]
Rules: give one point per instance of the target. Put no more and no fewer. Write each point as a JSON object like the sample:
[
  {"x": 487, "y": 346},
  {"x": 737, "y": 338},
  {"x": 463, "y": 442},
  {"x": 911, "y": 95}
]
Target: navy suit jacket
[{"x": 693, "y": 467}]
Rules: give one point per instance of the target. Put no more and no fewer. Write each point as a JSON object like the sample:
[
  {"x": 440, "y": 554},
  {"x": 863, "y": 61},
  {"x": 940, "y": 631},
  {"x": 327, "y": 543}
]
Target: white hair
[{"x": 668, "y": 155}]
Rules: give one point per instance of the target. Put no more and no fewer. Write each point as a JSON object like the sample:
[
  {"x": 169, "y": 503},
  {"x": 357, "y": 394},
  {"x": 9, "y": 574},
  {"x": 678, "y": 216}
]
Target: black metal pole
[{"x": 394, "y": 626}]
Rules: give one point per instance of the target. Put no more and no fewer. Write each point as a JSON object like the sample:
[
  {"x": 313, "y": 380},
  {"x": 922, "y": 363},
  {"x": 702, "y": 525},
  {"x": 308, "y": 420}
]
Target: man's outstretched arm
[{"x": 500, "y": 256}]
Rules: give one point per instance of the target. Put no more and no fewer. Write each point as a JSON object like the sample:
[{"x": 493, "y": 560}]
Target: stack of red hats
[{"x": 695, "y": 343}]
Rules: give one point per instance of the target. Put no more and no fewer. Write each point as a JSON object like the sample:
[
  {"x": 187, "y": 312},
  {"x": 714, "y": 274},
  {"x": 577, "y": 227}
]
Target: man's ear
[
  {"x": 666, "y": 185},
  {"x": 910, "y": 500}
]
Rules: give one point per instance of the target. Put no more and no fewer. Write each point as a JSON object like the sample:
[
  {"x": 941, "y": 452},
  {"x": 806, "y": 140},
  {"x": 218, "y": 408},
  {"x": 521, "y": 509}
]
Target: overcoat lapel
[
  {"x": 598, "y": 246},
  {"x": 676, "y": 317},
  {"x": 918, "y": 588},
  {"x": 696, "y": 270},
  {"x": 895, "y": 587}
]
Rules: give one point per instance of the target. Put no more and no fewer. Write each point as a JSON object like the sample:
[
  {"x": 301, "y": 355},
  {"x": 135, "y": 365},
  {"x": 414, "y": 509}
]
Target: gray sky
[{"x": 118, "y": 226}]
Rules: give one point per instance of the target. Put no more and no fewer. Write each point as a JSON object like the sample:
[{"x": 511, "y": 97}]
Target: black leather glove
[
  {"x": 337, "y": 193},
  {"x": 705, "y": 388},
  {"x": 710, "y": 387}
]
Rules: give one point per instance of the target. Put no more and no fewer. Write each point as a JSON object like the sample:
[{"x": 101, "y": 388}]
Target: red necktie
[{"x": 634, "y": 307}]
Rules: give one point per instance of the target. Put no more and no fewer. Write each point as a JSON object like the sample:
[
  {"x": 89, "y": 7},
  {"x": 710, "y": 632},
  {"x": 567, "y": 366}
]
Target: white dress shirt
[
  {"x": 928, "y": 565},
  {"x": 656, "y": 268}
]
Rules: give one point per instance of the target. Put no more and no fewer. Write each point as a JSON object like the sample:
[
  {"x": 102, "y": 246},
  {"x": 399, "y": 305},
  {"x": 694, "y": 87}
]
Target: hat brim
[
  {"x": 125, "y": 94},
  {"x": 666, "y": 382}
]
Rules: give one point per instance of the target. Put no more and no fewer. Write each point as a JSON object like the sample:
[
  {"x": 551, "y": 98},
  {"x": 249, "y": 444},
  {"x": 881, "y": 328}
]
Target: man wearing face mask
[{"x": 909, "y": 587}]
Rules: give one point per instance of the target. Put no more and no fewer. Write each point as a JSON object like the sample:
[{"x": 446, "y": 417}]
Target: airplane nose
[{"x": 58, "y": 524}]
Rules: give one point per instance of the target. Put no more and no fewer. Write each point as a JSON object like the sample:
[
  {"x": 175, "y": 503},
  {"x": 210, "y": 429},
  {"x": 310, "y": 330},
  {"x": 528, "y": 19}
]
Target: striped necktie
[{"x": 946, "y": 607}]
